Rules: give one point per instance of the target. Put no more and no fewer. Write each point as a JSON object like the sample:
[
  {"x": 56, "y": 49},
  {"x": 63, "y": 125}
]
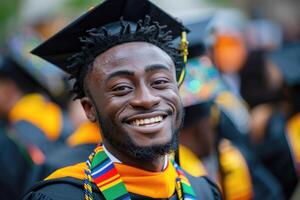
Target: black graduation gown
[
  {"x": 265, "y": 185},
  {"x": 276, "y": 155},
  {"x": 28, "y": 133},
  {"x": 64, "y": 156},
  {"x": 72, "y": 189},
  {"x": 14, "y": 167}
]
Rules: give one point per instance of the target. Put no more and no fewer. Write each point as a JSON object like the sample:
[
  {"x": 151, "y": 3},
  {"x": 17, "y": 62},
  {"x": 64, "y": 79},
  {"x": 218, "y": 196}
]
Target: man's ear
[{"x": 89, "y": 109}]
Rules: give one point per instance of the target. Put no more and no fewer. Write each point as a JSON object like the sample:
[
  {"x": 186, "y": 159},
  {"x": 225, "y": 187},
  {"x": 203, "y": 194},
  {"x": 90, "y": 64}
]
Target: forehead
[{"x": 132, "y": 55}]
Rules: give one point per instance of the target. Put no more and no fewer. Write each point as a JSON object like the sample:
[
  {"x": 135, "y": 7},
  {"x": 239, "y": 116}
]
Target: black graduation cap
[
  {"x": 66, "y": 43},
  {"x": 31, "y": 73},
  {"x": 197, "y": 36},
  {"x": 287, "y": 59},
  {"x": 11, "y": 69}
]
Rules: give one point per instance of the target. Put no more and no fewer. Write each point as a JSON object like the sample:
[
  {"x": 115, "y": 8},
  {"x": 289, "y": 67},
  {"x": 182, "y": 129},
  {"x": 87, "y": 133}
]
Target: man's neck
[{"x": 155, "y": 165}]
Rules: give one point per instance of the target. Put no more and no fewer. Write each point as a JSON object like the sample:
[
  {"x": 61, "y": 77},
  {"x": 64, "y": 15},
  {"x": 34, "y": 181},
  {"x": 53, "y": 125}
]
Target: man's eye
[
  {"x": 122, "y": 88},
  {"x": 160, "y": 82}
]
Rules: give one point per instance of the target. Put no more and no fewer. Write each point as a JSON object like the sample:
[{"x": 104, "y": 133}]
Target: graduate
[
  {"x": 27, "y": 104},
  {"x": 127, "y": 71},
  {"x": 274, "y": 101},
  {"x": 211, "y": 143},
  {"x": 78, "y": 146},
  {"x": 231, "y": 164}
]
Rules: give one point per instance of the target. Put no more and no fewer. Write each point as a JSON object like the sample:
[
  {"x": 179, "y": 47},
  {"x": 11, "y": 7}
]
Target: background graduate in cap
[
  {"x": 27, "y": 86},
  {"x": 275, "y": 108},
  {"x": 126, "y": 73},
  {"x": 210, "y": 139}
]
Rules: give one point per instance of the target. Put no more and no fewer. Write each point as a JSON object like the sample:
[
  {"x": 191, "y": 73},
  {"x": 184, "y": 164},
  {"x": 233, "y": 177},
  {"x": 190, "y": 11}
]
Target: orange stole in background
[
  {"x": 44, "y": 114},
  {"x": 86, "y": 133},
  {"x": 293, "y": 135},
  {"x": 236, "y": 178}
]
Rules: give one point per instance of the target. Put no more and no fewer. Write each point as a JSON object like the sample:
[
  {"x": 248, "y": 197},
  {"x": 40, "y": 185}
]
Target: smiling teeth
[{"x": 141, "y": 122}]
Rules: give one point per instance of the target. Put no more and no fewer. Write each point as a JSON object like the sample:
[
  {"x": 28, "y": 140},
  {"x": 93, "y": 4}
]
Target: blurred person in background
[
  {"x": 15, "y": 165},
  {"x": 210, "y": 83},
  {"x": 27, "y": 87},
  {"x": 228, "y": 163},
  {"x": 225, "y": 40},
  {"x": 204, "y": 149},
  {"x": 269, "y": 85},
  {"x": 78, "y": 146}
]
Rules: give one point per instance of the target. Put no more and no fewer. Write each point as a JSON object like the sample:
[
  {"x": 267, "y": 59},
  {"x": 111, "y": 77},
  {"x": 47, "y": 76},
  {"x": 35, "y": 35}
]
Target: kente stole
[{"x": 103, "y": 172}]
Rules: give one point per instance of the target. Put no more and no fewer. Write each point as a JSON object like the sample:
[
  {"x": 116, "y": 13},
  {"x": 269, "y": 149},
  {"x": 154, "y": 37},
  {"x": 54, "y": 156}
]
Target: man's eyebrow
[
  {"x": 120, "y": 73},
  {"x": 154, "y": 67}
]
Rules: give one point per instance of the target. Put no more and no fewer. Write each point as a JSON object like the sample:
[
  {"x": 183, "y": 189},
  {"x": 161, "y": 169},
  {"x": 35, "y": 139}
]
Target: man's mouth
[
  {"x": 147, "y": 121},
  {"x": 143, "y": 120}
]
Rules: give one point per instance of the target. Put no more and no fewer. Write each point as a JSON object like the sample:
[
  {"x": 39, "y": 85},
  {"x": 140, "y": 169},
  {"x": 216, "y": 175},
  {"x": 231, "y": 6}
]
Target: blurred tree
[{"x": 8, "y": 13}]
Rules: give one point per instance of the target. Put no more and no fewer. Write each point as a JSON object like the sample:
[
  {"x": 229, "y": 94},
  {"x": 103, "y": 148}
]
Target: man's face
[{"x": 135, "y": 94}]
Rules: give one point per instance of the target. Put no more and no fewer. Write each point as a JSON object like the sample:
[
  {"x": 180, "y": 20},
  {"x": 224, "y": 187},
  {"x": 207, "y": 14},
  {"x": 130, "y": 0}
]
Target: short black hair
[{"x": 99, "y": 40}]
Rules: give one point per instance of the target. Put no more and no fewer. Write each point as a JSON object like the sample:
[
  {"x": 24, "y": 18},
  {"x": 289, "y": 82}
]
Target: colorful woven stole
[{"x": 101, "y": 171}]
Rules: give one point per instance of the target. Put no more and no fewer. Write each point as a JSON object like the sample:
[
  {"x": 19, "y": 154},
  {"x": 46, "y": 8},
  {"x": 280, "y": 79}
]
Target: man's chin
[{"x": 149, "y": 151}]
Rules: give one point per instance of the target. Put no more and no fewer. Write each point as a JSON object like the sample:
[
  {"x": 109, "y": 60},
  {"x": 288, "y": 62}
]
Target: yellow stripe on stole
[
  {"x": 111, "y": 184},
  {"x": 190, "y": 162},
  {"x": 108, "y": 180}
]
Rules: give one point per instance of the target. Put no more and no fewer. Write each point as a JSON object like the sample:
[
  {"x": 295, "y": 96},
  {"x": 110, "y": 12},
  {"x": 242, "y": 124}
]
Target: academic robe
[
  {"x": 14, "y": 167},
  {"x": 79, "y": 146},
  {"x": 40, "y": 125},
  {"x": 276, "y": 154}
]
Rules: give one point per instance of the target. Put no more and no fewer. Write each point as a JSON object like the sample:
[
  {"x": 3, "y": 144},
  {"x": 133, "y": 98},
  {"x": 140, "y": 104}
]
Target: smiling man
[{"x": 127, "y": 71}]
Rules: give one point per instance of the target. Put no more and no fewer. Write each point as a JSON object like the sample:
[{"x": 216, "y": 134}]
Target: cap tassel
[{"x": 183, "y": 47}]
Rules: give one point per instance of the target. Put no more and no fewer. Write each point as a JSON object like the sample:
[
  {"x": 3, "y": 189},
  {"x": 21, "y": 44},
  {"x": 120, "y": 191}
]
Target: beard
[{"x": 130, "y": 148}]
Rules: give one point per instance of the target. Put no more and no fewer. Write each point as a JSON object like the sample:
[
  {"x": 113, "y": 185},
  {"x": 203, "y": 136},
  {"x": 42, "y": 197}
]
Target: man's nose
[{"x": 144, "y": 98}]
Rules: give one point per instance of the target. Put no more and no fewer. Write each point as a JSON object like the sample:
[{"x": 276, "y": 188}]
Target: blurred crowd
[{"x": 241, "y": 97}]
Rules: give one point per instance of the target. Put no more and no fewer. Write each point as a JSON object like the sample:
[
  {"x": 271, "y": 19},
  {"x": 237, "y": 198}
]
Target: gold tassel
[{"x": 184, "y": 46}]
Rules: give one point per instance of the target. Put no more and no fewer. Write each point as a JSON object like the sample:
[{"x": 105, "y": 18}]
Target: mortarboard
[
  {"x": 287, "y": 59},
  {"x": 196, "y": 37},
  {"x": 59, "y": 48},
  {"x": 202, "y": 82},
  {"x": 20, "y": 65}
]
